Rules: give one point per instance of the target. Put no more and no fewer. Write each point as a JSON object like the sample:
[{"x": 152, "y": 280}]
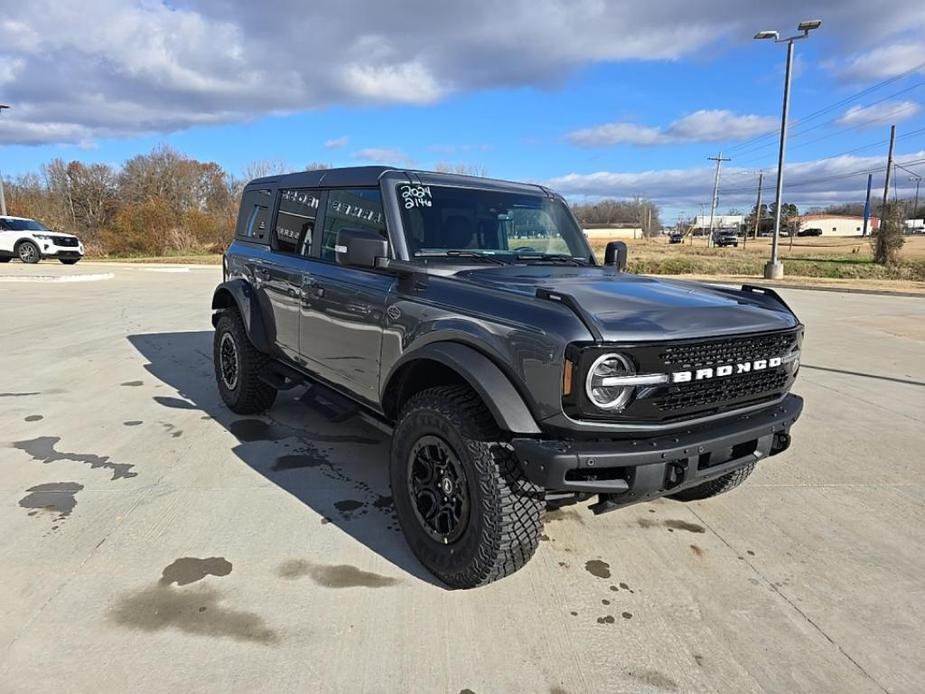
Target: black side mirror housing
[
  {"x": 615, "y": 254},
  {"x": 360, "y": 247}
]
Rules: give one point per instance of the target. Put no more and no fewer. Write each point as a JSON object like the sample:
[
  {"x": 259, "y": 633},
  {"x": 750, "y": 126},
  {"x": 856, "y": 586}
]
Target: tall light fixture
[{"x": 774, "y": 269}]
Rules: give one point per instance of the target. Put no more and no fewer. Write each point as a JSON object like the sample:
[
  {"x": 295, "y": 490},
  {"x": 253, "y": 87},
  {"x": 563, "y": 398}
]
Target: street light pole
[
  {"x": 2, "y": 195},
  {"x": 774, "y": 269}
]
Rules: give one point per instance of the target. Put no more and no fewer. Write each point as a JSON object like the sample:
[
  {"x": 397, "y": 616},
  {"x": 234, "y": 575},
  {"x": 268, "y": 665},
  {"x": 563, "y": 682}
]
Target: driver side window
[{"x": 359, "y": 208}]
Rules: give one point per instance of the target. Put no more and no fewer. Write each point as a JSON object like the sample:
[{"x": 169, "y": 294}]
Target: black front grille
[
  {"x": 743, "y": 388},
  {"x": 711, "y": 393},
  {"x": 728, "y": 351},
  {"x": 66, "y": 241}
]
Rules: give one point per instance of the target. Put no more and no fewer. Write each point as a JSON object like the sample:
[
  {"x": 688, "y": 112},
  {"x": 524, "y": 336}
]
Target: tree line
[
  {"x": 640, "y": 213},
  {"x": 159, "y": 203}
]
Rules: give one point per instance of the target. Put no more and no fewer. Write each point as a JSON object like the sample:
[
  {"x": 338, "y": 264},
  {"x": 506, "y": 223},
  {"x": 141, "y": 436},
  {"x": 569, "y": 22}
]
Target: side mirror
[
  {"x": 615, "y": 254},
  {"x": 360, "y": 247}
]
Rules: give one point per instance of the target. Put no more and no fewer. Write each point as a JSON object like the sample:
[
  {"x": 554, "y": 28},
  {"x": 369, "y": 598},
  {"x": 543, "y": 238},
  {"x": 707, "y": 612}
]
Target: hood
[{"x": 628, "y": 307}]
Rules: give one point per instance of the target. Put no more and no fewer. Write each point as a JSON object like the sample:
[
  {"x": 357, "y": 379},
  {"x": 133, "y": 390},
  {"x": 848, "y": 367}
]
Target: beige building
[
  {"x": 613, "y": 233},
  {"x": 837, "y": 224}
]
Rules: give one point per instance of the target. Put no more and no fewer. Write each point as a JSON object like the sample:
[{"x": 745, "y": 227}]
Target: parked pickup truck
[{"x": 515, "y": 371}]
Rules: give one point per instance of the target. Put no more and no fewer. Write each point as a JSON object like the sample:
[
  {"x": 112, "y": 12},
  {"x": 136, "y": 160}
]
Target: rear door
[
  {"x": 283, "y": 276},
  {"x": 343, "y": 307}
]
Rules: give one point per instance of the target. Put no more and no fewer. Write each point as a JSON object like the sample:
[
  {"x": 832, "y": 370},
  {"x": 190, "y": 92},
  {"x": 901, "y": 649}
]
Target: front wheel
[
  {"x": 28, "y": 252},
  {"x": 464, "y": 505},
  {"x": 238, "y": 367}
]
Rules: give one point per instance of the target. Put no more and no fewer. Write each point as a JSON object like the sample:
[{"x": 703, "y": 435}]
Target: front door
[{"x": 343, "y": 307}]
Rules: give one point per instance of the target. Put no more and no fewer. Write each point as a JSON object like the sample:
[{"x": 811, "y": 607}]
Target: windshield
[
  {"x": 444, "y": 220},
  {"x": 23, "y": 225}
]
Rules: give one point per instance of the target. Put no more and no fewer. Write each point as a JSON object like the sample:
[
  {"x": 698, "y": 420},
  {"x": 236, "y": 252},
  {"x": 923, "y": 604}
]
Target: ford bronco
[{"x": 470, "y": 318}]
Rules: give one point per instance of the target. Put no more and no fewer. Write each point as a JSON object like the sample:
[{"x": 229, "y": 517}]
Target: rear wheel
[
  {"x": 238, "y": 367},
  {"x": 466, "y": 509},
  {"x": 28, "y": 252},
  {"x": 720, "y": 485}
]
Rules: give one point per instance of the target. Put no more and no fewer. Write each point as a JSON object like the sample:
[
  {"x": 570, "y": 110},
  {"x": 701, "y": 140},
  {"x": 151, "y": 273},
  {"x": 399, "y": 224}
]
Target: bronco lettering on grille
[{"x": 725, "y": 370}]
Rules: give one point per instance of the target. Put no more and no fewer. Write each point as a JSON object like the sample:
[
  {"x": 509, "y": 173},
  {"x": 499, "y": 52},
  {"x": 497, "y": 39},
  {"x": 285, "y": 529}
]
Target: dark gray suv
[{"x": 470, "y": 317}]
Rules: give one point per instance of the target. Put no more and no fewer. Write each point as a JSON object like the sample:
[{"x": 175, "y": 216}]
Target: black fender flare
[
  {"x": 240, "y": 293},
  {"x": 493, "y": 386}
]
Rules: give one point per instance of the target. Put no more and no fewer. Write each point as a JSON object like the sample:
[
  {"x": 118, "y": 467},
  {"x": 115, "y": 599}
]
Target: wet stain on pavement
[
  {"x": 544, "y": 538},
  {"x": 186, "y": 570},
  {"x": 334, "y": 576},
  {"x": 384, "y": 502},
  {"x": 295, "y": 461},
  {"x": 172, "y": 430},
  {"x": 54, "y": 497},
  {"x": 348, "y": 508},
  {"x": 672, "y": 525},
  {"x": 35, "y": 418},
  {"x": 605, "y": 601},
  {"x": 598, "y": 568},
  {"x": 133, "y": 384},
  {"x": 698, "y": 551},
  {"x": 561, "y": 514},
  {"x": 174, "y": 403},
  {"x": 654, "y": 678},
  {"x": 627, "y": 615},
  {"x": 253, "y": 430},
  {"x": 684, "y": 525},
  {"x": 133, "y": 422},
  {"x": 606, "y": 620},
  {"x": 17, "y": 395},
  {"x": 196, "y": 610},
  {"x": 698, "y": 659},
  {"x": 43, "y": 450}
]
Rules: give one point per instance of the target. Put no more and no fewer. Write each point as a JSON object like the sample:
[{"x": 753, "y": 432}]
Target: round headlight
[{"x": 609, "y": 397}]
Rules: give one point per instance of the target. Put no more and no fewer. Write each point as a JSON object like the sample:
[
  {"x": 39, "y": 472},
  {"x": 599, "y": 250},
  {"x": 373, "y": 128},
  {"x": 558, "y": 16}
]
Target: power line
[{"x": 837, "y": 104}]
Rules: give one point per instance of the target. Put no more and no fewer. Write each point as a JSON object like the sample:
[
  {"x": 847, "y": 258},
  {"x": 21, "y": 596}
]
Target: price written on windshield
[{"x": 415, "y": 196}]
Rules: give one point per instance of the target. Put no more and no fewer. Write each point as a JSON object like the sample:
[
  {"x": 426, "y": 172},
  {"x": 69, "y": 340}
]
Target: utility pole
[
  {"x": 719, "y": 161},
  {"x": 757, "y": 207},
  {"x": 870, "y": 180},
  {"x": 889, "y": 170},
  {"x": 915, "y": 205},
  {"x": 2, "y": 195}
]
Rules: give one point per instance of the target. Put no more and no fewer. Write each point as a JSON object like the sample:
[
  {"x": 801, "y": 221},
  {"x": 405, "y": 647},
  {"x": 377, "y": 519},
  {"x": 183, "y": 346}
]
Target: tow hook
[{"x": 781, "y": 443}]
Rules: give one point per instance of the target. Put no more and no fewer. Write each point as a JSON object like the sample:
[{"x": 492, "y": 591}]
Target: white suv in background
[{"x": 30, "y": 241}]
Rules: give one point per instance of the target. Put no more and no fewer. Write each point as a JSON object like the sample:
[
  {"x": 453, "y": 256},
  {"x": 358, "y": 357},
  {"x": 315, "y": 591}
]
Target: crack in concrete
[{"x": 792, "y": 604}]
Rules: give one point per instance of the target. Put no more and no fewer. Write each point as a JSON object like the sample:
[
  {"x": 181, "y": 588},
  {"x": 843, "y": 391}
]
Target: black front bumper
[{"x": 630, "y": 470}]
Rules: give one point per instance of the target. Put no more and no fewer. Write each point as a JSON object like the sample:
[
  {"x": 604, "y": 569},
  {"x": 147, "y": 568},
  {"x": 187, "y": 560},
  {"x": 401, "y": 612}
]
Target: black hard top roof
[{"x": 368, "y": 176}]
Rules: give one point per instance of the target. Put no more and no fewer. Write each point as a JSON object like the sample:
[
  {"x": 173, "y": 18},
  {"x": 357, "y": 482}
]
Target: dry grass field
[{"x": 817, "y": 257}]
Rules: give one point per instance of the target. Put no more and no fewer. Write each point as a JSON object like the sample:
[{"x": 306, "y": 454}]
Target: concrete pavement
[{"x": 153, "y": 541}]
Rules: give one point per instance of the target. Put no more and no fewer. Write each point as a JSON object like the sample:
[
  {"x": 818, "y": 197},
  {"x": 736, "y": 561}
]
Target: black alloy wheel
[{"x": 439, "y": 489}]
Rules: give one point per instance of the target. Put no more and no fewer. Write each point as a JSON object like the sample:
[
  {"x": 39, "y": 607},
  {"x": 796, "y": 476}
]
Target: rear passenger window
[
  {"x": 351, "y": 209},
  {"x": 255, "y": 212},
  {"x": 295, "y": 220}
]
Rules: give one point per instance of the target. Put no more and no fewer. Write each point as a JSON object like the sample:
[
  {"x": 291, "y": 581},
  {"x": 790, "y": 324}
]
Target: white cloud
[
  {"x": 885, "y": 61},
  {"x": 699, "y": 126},
  {"x": 819, "y": 182},
  {"x": 382, "y": 155},
  {"x": 879, "y": 114},
  {"x": 336, "y": 142},
  {"x": 114, "y": 68}
]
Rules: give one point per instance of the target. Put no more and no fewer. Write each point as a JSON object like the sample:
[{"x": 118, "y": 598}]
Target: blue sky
[{"x": 596, "y": 99}]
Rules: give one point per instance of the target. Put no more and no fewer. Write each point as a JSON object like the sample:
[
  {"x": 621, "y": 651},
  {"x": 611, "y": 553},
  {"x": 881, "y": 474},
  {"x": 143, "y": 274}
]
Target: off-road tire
[
  {"x": 720, "y": 485},
  {"x": 31, "y": 257},
  {"x": 69, "y": 261},
  {"x": 506, "y": 511},
  {"x": 250, "y": 394}
]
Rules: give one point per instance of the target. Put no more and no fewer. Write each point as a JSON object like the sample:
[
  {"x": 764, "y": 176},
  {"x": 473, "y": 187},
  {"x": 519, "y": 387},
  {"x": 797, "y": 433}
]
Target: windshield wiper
[
  {"x": 551, "y": 257},
  {"x": 458, "y": 253}
]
